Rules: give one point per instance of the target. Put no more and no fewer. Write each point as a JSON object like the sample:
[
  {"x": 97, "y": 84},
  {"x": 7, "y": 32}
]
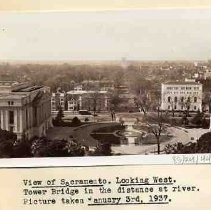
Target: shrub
[
  {"x": 7, "y": 140},
  {"x": 203, "y": 145},
  {"x": 86, "y": 119},
  {"x": 76, "y": 121},
  {"x": 106, "y": 138},
  {"x": 103, "y": 149},
  {"x": 22, "y": 149},
  {"x": 44, "y": 147}
]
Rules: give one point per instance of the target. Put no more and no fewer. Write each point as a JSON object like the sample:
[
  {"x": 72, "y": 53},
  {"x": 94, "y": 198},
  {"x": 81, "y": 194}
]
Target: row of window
[
  {"x": 61, "y": 99},
  {"x": 183, "y": 88},
  {"x": 182, "y": 93},
  {"x": 182, "y": 107},
  {"x": 60, "y": 104},
  {"x": 182, "y": 99}
]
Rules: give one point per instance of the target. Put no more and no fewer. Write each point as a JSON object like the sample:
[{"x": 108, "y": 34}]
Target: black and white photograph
[{"x": 105, "y": 83}]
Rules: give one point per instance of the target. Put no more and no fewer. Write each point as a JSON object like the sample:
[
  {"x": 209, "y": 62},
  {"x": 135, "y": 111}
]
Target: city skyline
[{"x": 174, "y": 34}]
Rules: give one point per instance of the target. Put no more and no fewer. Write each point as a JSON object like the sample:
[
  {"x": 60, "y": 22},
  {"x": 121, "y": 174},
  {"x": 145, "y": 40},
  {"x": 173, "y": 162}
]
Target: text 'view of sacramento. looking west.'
[{"x": 105, "y": 83}]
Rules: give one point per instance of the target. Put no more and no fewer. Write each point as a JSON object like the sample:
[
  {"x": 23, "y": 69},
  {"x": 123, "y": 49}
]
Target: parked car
[{"x": 84, "y": 112}]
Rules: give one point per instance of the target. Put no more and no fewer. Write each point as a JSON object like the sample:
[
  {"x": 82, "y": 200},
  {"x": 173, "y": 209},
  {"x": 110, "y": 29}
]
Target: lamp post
[
  {"x": 210, "y": 115},
  {"x": 210, "y": 110}
]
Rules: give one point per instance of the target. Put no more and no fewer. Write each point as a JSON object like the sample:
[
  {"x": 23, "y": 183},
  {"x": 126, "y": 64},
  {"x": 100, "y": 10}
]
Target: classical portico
[{"x": 25, "y": 110}]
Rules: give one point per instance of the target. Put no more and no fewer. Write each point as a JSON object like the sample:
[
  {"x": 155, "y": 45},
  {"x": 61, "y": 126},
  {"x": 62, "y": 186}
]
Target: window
[
  {"x": 182, "y": 99},
  {"x": 194, "y": 107},
  {"x": 11, "y": 117},
  {"x": 175, "y": 99},
  {"x": 10, "y": 103},
  {"x": 195, "y": 99},
  {"x": 175, "y": 106},
  {"x": 169, "y": 99},
  {"x": 169, "y": 107},
  {"x": 188, "y": 99}
]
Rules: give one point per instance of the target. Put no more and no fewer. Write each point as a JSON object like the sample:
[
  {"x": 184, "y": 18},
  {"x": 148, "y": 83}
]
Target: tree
[
  {"x": 103, "y": 149},
  {"x": 59, "y": 116},
  {"x": 203, "y": 145},
  {"x": 156, "y": 126},
  {"x": 95, "y": 97},
  {"x": 143, "y": 102},
  {"x": 185, "y": 104},
  {"x": 118, "y": 78},
  {"x": 142, "y": 89},
  {"x": 22, "y": 149},
  {"x": 76, "y": 121},
  {"x": 43, "y": 147},
  {"x": 198, "y": 118},
  {"x": 7, "y": 140},
  {"x": 172, "y": 103},
  {"x": 115, "y": 100}
]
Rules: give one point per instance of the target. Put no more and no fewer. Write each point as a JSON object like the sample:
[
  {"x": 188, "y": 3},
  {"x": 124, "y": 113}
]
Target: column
[
  {"x": 21, "y": 120},
  {"x": 15, "y": 121},
  {"x": 80, "y": 101},
  {"x": 106, "y": 102},
  {"x": 6, "y": 120},
  {"x": 18, "y": 120},
  {"x": 210, "y": 122},
  {"x": 2, "y": 119}
]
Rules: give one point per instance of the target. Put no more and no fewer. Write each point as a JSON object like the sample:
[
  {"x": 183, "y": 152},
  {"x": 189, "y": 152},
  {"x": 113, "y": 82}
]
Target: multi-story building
[
  {"x": 58, "y": 100},
  {"x": 181, "y": 96},
  {"x": 24, "y": 109},
  {"x": 87, "y": 100}
]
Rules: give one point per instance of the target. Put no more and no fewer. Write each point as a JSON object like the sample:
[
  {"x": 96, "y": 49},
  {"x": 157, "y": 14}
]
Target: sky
[{"x": 147, "y": 34}]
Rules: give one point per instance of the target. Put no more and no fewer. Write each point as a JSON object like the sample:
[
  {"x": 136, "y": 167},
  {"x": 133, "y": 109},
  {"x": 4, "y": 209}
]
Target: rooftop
[
  {"x": 181, "y": 83},
  {"x": 12, "y": 96},
  {"x": 8, "y": 83},
  {"x": 27, "y": 89},
  {"x": 85, "y": 92}
]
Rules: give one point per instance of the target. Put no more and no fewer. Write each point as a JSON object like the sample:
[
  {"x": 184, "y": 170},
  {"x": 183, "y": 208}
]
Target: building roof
[
  {"x": 8, "y": 83},
  {"x": 75, "y": 92},
  {"x": 11, "y": 90},
  {"x": 182, "y": 83},
  {"x": 12, "y": 96},
  {"x": 28, "y": 88}
]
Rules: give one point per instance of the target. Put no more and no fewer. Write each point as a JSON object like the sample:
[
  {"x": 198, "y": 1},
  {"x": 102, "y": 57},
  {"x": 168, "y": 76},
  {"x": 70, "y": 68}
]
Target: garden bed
[
  {"x": 106, "y": 138},
  {"x": 109, "y": 129}
]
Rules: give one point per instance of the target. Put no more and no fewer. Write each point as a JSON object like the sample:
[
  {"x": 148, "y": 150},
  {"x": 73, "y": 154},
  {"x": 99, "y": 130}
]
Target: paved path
[
  {"x": 83, "y": 133},
  {"x": 178, "y": 135},
  {"x": 60, "y": 132}
]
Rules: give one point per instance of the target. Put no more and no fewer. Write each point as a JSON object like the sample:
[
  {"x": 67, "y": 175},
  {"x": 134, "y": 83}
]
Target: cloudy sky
[{"x": 182, "y": 34}]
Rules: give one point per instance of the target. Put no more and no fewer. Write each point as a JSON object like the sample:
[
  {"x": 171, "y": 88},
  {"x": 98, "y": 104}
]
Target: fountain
[{"x": 129, "y": 136}]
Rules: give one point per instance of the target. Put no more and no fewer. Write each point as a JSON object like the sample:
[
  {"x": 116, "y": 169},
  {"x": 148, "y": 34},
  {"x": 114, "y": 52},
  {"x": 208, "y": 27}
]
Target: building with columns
[
  {"x": 181, "y": 96},
  {"x": 24, "y": 109}
]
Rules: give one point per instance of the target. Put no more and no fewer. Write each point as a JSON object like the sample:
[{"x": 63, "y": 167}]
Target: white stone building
[
  {"x": 181, "y": 96},
  {"x": 24, "y": 109}
]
